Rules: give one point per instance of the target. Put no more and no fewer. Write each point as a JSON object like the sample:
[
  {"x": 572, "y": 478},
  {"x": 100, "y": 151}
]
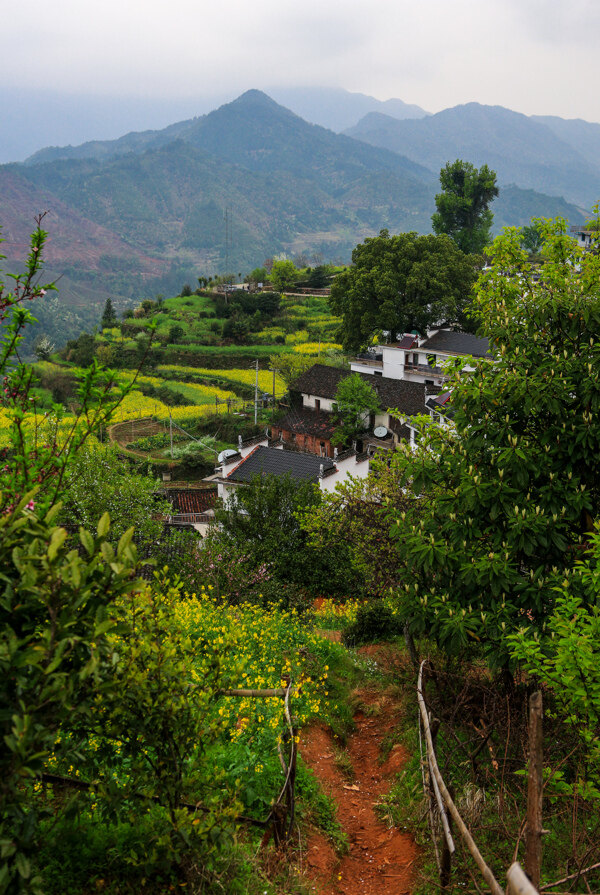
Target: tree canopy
[
  {"x": 283, "y": 274},
  {"x": 355, "y": 399},
  {"x": 505, "y": 498},
  {"x": 463, "y": 211},
  {"x": 400, "y": 283}
]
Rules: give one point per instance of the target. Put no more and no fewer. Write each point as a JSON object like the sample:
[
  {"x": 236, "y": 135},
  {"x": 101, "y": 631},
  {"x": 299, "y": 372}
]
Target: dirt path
[{"x": 380, "y": 860}]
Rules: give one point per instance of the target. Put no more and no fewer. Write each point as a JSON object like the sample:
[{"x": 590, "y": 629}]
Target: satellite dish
[
  {"x": 380, "y": 432},
  {"x": 224, "y": 455}
]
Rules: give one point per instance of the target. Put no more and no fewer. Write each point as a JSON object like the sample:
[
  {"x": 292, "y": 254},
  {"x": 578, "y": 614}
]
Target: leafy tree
[
  {"x": 463, "y": 211},
  {"x": 532, "y": 239},
  {"x": 355, "y": 400},
  {"x": 262, "y": 521},
  {"x": 351, "y": 515},
  {"x": 400, "y": 283},
  {"x": 109, "y": 315},
  {"x": 319, "y": 276},
  {"x": 567, "y": 660},
  {"x": 81, "y": 351},
  {"x": 98, "y": 480},
  {"x": 290, "y": 366},
  {"x": 175, "y": 333},
  {"x": 505, "y": 498},
  {"x": 283, "y": 275},
  {"x": 258, "y": 275}
]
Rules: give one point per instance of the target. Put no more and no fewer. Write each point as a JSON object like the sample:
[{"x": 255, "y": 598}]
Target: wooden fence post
[{"x": 533, "y": 829}]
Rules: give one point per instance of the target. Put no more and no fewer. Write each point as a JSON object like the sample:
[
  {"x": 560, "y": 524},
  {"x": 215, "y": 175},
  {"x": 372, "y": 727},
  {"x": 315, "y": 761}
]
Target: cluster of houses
[{"x": 408, "y": 379}]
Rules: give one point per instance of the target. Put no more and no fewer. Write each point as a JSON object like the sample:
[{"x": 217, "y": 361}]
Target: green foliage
[
  {"x": 99, "y": 480},
  {"x": 109, "y": 315},
  {"x": 352, "y": 515},
  {"x": 319, "y": 276},
  {"x": 283, "y": 275},
  {"x": 81, "y": 350},
  {"x": 532, "y": 239},
  {"x": 463, "y": 211},
  {"x": 355, "y": 400},
  {"x": 291, "y": 365},
  {"x": 53, "y": 651},
  {"x": 374, "y": 621},
  {"x": 258, "y": 275},
  {"x": 400, "y": 283},
  {"x": 262, "y": 523},
  {"x": 567, "y": 660},
  {"x": 504, "y": 498}
]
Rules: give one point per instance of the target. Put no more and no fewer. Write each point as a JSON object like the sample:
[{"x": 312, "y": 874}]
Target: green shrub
[{"x": 374, "y": 621}]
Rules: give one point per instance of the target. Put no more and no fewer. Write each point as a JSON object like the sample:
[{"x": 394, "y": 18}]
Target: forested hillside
[{"x": 154, "y": 204}]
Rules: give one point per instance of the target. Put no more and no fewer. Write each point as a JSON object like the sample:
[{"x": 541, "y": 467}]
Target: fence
[{"x": 438, "y": 795}]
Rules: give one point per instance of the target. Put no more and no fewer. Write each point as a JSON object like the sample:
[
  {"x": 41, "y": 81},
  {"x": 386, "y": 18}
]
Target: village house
[
  {"x": 420, "y": 359},
  {"x": 267, "y": 459},
  {"x": 309, "y": 424}
]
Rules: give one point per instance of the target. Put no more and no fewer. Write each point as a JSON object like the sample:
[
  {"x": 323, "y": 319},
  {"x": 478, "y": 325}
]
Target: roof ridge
[{"x": 243, "y": 460}]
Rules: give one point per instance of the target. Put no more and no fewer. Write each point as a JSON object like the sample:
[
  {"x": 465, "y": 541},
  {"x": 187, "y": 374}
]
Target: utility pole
[
  {"x": 171, "y": 432},
  {"x": 256, "y": 395}
]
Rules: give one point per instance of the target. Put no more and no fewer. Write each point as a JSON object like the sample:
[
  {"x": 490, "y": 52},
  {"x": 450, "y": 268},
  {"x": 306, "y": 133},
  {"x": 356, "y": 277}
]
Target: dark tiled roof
[
  {"x": 320, "y": 380},
  {"x": 308, "y": 422},
  {"x": 457, "y": 343},
  {"x": 398, "y": 394},
  {"x": 274, "y": 461},
  {"x": 191, "y": 500}
]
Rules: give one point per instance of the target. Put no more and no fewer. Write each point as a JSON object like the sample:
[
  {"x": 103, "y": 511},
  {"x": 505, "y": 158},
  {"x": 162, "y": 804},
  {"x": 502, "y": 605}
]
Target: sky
[{"x": 533, "y": 56}]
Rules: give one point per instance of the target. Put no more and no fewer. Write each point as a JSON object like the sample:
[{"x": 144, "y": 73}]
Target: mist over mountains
[{"x": 145, "y": 213}]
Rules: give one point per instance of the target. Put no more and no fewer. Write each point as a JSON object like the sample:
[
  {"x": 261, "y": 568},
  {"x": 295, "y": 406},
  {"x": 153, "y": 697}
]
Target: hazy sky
[{"x": 534, "y": 56}]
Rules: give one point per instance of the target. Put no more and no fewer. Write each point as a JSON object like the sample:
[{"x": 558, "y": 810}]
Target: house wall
[
  {"x": 305, "y": 442},
  {"x": 348, "y": 467},
  {"x": 393, "y": 362},
  {"x": 311, "y": 401}
]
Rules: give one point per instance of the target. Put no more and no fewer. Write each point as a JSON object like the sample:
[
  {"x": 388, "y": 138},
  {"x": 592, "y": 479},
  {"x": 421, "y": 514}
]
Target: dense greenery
[
  {"x": 274, "y": 560},
  {"x": 355, "y": 401},
  {"x": 463, "y": 210},
  {"x": 507, "y": 495},
  {"x": 401, "y": 283}
]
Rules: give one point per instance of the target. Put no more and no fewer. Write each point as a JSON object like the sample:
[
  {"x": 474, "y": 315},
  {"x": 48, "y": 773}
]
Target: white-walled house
[
  {"x": 420, "y": 359},
  {"x": 263, "y": 459},
  {"x": 309, "y": 423}
]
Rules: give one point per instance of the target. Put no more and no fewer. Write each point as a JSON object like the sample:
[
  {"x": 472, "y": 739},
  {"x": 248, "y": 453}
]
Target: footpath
[{"x": 380, "y": 859}]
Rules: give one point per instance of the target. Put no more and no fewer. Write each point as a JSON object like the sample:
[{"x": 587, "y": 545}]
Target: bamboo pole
[{"x": 466, "y": 835}]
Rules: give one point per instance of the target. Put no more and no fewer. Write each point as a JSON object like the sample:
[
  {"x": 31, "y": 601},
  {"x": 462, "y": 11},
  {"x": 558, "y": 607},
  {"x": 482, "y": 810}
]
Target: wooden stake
[{"x": 533, "y": 829}]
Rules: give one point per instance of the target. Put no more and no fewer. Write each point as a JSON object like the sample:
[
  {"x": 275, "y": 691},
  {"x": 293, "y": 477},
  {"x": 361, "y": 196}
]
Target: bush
[{"x": 374, "y": 621}]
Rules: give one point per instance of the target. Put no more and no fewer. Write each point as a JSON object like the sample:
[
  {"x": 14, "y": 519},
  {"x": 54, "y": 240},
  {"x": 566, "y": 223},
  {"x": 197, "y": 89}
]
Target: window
[{"x": 317, "y": 404}]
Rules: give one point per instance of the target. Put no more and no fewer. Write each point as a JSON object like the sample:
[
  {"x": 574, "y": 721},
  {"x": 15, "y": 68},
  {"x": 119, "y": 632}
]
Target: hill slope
[
  {"x": 522, "y": 150},
  {"x": 145, "y": 213}
]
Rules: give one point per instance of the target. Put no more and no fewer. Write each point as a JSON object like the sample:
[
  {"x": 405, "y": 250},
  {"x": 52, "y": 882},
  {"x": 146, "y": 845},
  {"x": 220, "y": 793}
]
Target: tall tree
[
  {"x": 506, "y": 497},
  {"x": 400, "y": 283},
  {"x": 463, "y": 205},
  {"x": 109, "y": 316}
]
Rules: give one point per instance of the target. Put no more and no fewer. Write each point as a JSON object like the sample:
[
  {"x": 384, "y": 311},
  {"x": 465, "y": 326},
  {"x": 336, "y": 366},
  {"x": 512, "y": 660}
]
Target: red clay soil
[{"x": 381, "y": 859}]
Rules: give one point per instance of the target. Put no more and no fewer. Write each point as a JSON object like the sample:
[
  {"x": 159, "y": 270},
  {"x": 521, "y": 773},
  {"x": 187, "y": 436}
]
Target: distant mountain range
[
  {"x": 552, "y": 155},
  {"x": 144, "y": 213}
]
